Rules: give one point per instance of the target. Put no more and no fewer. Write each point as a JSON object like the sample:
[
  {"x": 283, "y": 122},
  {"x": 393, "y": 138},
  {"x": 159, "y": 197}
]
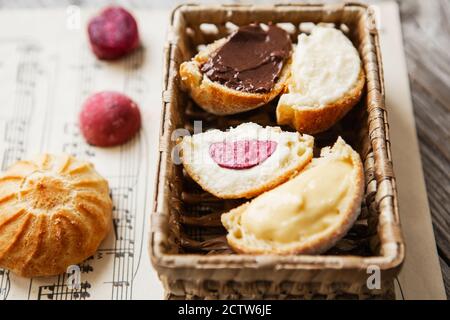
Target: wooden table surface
[{"x": 426, "y": 29}]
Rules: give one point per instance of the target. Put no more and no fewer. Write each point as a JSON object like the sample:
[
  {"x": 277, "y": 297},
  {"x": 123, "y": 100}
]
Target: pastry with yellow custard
[
  {"x": 55, "y": 210},
  {"x": 326, "y": 81},
  {"x": 306, "y": 215}
]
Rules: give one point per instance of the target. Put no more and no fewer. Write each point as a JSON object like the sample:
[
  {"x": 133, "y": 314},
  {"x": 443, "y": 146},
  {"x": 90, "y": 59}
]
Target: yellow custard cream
[{"x": 307, "y": 205}]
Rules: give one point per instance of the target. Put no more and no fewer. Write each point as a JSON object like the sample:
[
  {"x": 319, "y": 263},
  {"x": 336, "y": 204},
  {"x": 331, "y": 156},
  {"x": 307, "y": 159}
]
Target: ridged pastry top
[
  {"x": 306, "y": 214},
  {"x": 325, "y": 67},
  {"x": 54, "y": 212}
]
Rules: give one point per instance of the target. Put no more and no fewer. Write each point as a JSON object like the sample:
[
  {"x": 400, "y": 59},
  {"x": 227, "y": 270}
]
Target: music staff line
[{"x": 17, "y": 126}]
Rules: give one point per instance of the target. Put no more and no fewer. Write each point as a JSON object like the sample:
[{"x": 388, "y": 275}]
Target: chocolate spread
[{"x": 251, "y": 60}]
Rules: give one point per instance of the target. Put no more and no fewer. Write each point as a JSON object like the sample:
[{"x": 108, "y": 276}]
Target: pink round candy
[
  {"x": 109, "y": 118},
  {"x": 113, "y": 33}
]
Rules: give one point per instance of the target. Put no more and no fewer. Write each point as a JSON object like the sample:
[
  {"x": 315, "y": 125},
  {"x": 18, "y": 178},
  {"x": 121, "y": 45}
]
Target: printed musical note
[{"x": 60, "y": 291}]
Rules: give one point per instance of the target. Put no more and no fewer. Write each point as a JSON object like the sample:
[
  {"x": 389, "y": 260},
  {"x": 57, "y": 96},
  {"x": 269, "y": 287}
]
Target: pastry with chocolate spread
[
  {"x": 327, "y": 81},
  {"x": 241, "y": 72}
]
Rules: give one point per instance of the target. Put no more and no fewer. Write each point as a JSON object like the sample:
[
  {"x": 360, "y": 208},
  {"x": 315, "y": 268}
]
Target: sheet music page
[{"x": 47, "y": 70}]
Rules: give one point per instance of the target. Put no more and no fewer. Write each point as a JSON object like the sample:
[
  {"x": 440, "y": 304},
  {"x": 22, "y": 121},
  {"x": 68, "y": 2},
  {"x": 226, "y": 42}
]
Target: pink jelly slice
[
  {"x": 113, "y": 33},
  {"x": 109, "y": 118},
  {"x": 241, "y": 154}
]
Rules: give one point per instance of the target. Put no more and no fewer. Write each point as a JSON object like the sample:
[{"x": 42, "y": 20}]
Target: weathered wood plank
[{"x": 426, "y": 30}]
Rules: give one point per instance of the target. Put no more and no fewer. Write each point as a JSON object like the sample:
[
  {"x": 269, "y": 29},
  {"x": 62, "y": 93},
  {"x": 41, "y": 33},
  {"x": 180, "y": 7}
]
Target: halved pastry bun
[
  {"x": 217, "y": 98},
  {"x": 281, "y": 155},
  {"x": 306, "y": 215},
  {"x": 327, "y": 80}
]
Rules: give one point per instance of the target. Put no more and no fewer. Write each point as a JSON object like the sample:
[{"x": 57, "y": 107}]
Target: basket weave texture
[{"x": 187, "y": 244}]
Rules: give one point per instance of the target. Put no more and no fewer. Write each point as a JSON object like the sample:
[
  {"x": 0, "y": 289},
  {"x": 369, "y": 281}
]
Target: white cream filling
[
  {"x": 290, "y": 146},
  {"x": 325, "y": 67}
]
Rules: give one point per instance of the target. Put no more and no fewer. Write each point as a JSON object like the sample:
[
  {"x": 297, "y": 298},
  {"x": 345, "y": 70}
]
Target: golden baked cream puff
[{"x": 54, "y": 212}]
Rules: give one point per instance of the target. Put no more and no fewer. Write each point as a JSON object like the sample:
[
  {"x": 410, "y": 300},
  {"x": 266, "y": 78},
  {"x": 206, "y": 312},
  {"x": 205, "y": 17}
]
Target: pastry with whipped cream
[
  {"x": 306, "y": 215},
  {"x": 246, "y": 160},
  {"x": 241, "y": 72},
  {"x": 326, "y": 81}
]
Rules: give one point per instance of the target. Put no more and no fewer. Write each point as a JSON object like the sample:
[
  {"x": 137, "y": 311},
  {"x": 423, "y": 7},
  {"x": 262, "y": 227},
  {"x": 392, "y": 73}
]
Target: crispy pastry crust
[
  {"x": 217, "y": 98},
  {"x": 263, "y": 187},
  {"x": 54, "y": 212},
  {"x": 317, "y": 244},
  {"x": 258, "y": 189},
  {"x": 313, "y": 120}
]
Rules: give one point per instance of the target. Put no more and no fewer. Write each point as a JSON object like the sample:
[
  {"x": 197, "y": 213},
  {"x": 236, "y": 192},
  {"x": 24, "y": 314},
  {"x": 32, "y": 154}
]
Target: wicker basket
[{"x": 187, "y": 243}]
